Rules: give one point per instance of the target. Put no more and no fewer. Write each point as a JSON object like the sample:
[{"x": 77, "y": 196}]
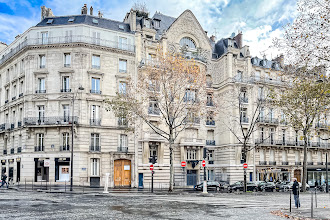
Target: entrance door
[
  {"x": 191, "y": 177},
  {"x": 297, "y": 175},
  {"x": 140, "y": 180},
  {"x": 122, "y": 173},
  {"x": 18, "y": 176},
  {"x": 64, "y": 173}
]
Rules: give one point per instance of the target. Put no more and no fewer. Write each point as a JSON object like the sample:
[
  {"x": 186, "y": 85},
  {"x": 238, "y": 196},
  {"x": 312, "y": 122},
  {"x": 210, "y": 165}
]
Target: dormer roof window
[
  {"x": 71, "y": 19},
  {"x": 156, "y": 24},
  {"x": 50, "y": 21},
  {"x": 95, "y": 21},
  {"x": 121, "y": 27}
]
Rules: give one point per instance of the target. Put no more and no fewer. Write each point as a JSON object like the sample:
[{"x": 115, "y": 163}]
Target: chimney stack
[
  {"x": 100, "y": 14},
  {"x": 84, "y": 10},
  {"x": 239, "y": 39},
  {"x": 212, "y": 38},
  {"x": 91, "y": 10}
]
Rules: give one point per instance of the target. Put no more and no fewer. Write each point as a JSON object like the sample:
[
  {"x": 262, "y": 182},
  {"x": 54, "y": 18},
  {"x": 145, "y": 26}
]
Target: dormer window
[
  {"x": 71, "y": 20},
  {"x": 50, "y": 21},
  {"x": 147, "y": 23},
  {"x": 156, "y": 24},
  {"x": 121, "y": 27},
  {"x": 95, "y": 21},
  {"x": 187, "y": 41}
]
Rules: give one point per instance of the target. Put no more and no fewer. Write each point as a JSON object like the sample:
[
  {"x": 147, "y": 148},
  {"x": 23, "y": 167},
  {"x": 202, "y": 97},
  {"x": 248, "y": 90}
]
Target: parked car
[
  {"x": 239, "y": 186},
  {"x": 280, "y": 186},
  {"x": 260, "y": 183},
  {"x": 223, "y": 185},
  {"x": 289, "y": 186},
  {"x": 267, "y": 187},
  {"x": 210, "y": 185}
]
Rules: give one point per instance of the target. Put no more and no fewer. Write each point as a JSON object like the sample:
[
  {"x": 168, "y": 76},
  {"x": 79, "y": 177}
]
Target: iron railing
[
  {"x": 272, "y": 162},
  {"x": 285, "y": 163},
  {"x": 63, "y": 40},
  {"x": 40, "y": 91},
  {"x": 310, "y": 163},
  {"x": 267, "y": 120},
  {"x": 39, "y": 148},
  {"x": 122, "y": 122},
  {"x": 244, "y": 120},
  {"x": 96, "y": 91},
  {"x": 65, "y": 148},
  {"x": 262, "y": 162},
  {"x": 209, "y": 103},
  {"x": 192, "y": 120},
  {"x": 65, "y": 90},
  {"x": 67, "y": 65},
  {"x": 244, "y": 100},
  {"x": 20, "y": 95},
  {"x": 95, "y": 148},
  {"x": 13, "y": 98},
  {"x": 95, "y": 122},
  {"x": 297, "y": 163},
  {"x": 19, "y": 124},
  {"x": 210, "y": 122},
  {"x": 122, "y": 149},
  {"x": 12, "y": 151},
  {"x": 210, "y": 142},
  {"x": 50, "y": 120}
]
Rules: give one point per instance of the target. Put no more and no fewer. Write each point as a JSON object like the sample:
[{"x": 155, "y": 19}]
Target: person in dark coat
[
  {"x": 3, "y": 179},
  {"x": 295, "y": 191}
]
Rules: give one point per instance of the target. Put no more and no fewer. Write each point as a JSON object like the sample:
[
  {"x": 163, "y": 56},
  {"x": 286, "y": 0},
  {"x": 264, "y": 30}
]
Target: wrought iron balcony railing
[
  {"x": 40, "y": 91},
  {"x": 244, "y": 120},
  {"x": 244, "y": 100},
  {"x": 64, "y": 39},
  {"x": 210, "y": 142},
  {"x": 96, "y": 91},
  {"x": 19, "y": 124},
  {"x": 39, "y": 148},
  {"x": 13, "y": 98},
  {"x": 310, "y": 163},
  {"x": 65, "y": 148},
  {"x": 122, "y": 122},
  {"x": 95, "y": 122},
  {"x": 285, "y": 163},
  {"x": 4, "y": 152},
  {"x": 267, "y": 120},
  {"x": 297, "y": 163},
  {"x": 272, "y": 162},
  {"x": 210, "y": 122},
  {"x": 20, "y": 95},
  {"x": 96, "y": 67},
  {"x": 122, "y": 149},
  {"x": 67, "y": 65},
  {"x": 65, "y": 90},
  {"x": 192, "y": 120},
  {"x": 262, "y": 162},
  {"x": 209, "y": 103},
  {"x": 50, "y": 120}
]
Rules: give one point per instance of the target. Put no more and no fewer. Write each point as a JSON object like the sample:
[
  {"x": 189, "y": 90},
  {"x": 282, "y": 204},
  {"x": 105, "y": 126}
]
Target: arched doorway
[{"x": 122, "y": 173}]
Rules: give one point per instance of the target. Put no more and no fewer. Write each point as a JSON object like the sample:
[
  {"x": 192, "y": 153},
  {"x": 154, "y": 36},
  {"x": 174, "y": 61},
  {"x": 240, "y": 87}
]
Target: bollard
[
  {"x": 25, "y": 184},
  {"x": 50, "y": 186},
  {"x": 312, "y": 205},
  {"x": 32, "y": 184},
  {"x": 65, "y": 186},
  {"x": 290, "y": 202},
  {"x": 83, "y": 187},
  {"x": 46, "y": 185},
  {"x": 315, "y": 198}
]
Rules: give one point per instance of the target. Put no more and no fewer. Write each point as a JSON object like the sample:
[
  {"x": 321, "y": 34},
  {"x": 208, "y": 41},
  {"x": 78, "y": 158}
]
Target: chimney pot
[{"x": 91, "y": 10}]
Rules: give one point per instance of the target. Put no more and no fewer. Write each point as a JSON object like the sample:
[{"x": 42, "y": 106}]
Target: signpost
[
  {"x": 183, "y": 163},
  {"x": 151, "y": 167},
  {"x": 203, "y": 163},
  {"x": 152, "y": 177},
  {"x": 245, "y": 165}
]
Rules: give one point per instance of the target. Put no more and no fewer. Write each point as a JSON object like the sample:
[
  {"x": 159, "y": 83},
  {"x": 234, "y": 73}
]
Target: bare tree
[{"x": 170, "y": 87}]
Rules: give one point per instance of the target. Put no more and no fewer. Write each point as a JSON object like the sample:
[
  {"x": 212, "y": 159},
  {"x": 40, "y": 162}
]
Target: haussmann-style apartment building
[{"x": 58, "y": 74}]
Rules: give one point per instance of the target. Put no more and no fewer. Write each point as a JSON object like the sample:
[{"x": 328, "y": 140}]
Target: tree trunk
[
  {"x": 244, "y": 170},
  {"x": 171, "y": 166},
  {"x": 304, "y": 177}
]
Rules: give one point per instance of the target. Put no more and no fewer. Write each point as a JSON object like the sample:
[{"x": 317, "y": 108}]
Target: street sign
[
  {"x": 245, "y": 166},
  {"x": 183, "y": 163},
  {"x": 46, "y": 163},
  {"x": 203, "y": 163},
  {"x": 151, "y": 167}
]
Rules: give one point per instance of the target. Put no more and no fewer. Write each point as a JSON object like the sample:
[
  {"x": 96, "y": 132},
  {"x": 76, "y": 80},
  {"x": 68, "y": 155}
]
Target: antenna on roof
[{"x": 215, "y": 32}]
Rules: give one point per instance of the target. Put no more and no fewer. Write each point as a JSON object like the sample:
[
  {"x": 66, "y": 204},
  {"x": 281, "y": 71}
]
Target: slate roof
[
  {"x": 88, "y": 20},
  {"x": 264, "y": 63},
  {"x": 165, "y": 23},
  {"x": 221, "y": 47}
]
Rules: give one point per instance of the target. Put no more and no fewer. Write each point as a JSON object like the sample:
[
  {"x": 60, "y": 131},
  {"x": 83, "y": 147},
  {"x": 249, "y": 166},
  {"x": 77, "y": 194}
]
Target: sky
[{"x": 259, "y": 20}]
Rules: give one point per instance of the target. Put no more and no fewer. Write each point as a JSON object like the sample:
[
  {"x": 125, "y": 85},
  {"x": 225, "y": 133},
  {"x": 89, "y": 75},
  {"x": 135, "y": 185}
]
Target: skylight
[
  {"x": 121, "y": 26},
  {"x": 71, "y": 20},
  {"x": 95, "y": 21},
  {"x": 50, "y": 21}
]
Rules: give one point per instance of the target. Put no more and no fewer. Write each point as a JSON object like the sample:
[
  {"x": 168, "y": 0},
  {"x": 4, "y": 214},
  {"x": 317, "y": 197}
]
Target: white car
[{"x": 289, "y": 186}]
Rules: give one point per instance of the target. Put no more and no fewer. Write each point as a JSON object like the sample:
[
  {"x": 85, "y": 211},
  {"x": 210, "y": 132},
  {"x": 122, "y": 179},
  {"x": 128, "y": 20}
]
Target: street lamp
[{"x": 72, "y": 125}]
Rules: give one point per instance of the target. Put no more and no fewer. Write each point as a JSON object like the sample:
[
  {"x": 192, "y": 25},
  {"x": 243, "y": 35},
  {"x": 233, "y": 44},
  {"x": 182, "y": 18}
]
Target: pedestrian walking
[
  {"x": 3, "y": 179},
  {"x": 295, "y": 191}
]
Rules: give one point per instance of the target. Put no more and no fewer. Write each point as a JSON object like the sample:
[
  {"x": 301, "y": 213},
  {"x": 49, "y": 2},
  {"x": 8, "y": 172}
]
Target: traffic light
[
  {"x": 204, "y": 152},
  {"x": 243, "y": 156}
]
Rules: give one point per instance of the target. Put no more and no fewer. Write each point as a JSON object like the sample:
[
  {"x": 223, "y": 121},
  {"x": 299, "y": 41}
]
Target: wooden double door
[
  {"x": 122, "y": 173},
  {"x": 297, "y": 175}
]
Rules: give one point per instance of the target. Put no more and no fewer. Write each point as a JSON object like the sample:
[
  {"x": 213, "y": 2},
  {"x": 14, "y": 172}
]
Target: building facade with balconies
[{"x": 55, "y": 76}]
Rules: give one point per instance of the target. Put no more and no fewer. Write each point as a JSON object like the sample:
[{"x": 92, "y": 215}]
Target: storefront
[
  {"x": 273, "y": 175},
  {"x": 317, "y": 175},
  {"x": 41, "y": 172},
  {"x": 3, "y": 170},
  {"x": 62, "y": 169}
]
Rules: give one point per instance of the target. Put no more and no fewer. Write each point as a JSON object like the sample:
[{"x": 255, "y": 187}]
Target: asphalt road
[{"x": 41, "y": 205}]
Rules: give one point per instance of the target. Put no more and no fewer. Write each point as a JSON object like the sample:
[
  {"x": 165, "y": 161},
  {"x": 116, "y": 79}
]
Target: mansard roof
[
  {"x": 221, "y": 47},
  {"x": 87, "y": 20},
  {"x": 264, "y": 63}
]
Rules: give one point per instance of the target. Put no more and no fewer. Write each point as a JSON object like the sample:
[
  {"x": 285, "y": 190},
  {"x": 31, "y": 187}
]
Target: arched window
[{"x": 187, "y": 41}]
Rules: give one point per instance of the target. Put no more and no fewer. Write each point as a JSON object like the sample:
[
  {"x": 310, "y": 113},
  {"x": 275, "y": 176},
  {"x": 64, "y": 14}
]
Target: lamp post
[
  {"x": 326, "y": 174},
  {"x": 72, "y": 127}
]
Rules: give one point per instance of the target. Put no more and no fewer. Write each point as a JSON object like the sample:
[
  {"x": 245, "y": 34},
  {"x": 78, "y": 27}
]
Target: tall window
[
  {"x": 122, "y": 43},
  {"x": 123, "y": 66},
  {"x": 190, "y": 95},
  {"x": 153, "y": 149},
  {"x": 66, "y": 141},
  {"x": 209, "y": 101},
  {"x": 66, "y": 84},
  {"x": 66, "y": 113},
  {"x": 187, "y": 41},
  {"x": 22, "y": 66},
  {"x": 96, "y": 62},
  {"x": 41, "y": 85},
  {"x": 41, "y": 113},
  {"x": 95, "y": 167},
  {"x": 40, "y": 142},
  {"x": 262, "y": 134},
  {"x": 153, "y": 107},
  {"x": 191, "y": 154},
  {"x": 14, "y": 91},
  {"x": 42, "y": 61},
  {"x": 67, "y": 60},
  {"x": 95, "y": 142},
  {"x": 271, "y": 131},
  {"x": 122, "y": 87},
  {"x": 261, "y": 93},
  {"x": 95, "y": 86},
  {"x": 68, "y": 36},
  {"x": 44, "y": 37},
  {"x": 257, "y": 75},
  {"x": 96, "y": 38},
  {"x": 123, "y": 140},
  {"x": 95, "y": 117},
  {"x": 283, "y": 136},
  {"x": 7, "y": 95},
  {"x": 21, "y": 87}
]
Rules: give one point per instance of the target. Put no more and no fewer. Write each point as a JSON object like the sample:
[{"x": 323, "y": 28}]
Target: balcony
[
  {"x": 209, "y": 84},
  {"x": 244, "y": 100},
  {"x": 210, "y": 122},
  {"x": 210, "y": 142},
  {"x": 2, "y": 127},
  {"x": 30, "y": 121},
  {"x": 122, "y": 149},
  {"x": 13, "y": 98},
  {"x": 262, "y": 162},
  {"x": 310, "y": 163},
  {"x": 12, "y": 151},
  {"x": 211, "y": 161},
  {"x": 19, "y": 124},
  {"x": 97, "y": 67},
  {"x": 192, "y": 142},
  {"x": 297, "y": 163},
  {"x": 122, "y": 122},
  {"x": 65, "y": 148},
  {"x": 39, "y": 148},
  {"x": 284, "y": 122},
  {"x": 96, "y": 91},
  {"x": 153, "y": 111},
  {"x": 65, "y": 90},
  {"x": 40, "y": 91},
  {"x": 257, "y": 80},
  {"x": 20, "y": 95},
  {"x": 268, "y": 120},
  {"x": 319, "y": 163},
  {"x": 19, "y": 149},
  {"x": 272, "y": 162},
  {"x": 285, "y": 163},
  {"x": 95, "y": 148},
  {"x": 65, "y": 39},
  {"x": 192, "y": 120},
  {"x": 95, "y": 122}
]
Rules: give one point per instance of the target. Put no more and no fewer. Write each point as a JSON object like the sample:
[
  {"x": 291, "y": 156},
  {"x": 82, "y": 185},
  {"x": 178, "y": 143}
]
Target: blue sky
[{"x": 259, "y": 20}]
